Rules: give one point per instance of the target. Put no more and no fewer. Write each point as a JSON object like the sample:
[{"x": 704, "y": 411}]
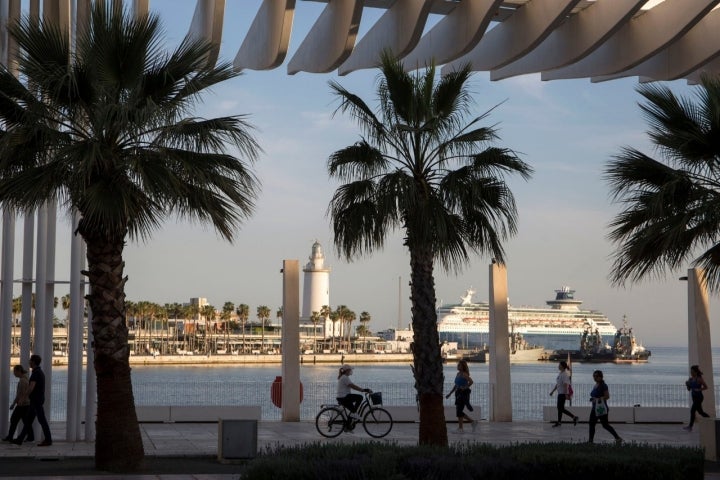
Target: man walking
[{"x": 36, "y": 394}]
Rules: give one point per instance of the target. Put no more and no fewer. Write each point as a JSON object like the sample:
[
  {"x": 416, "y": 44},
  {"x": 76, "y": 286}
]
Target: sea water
[{"x": 634, "y": 383}]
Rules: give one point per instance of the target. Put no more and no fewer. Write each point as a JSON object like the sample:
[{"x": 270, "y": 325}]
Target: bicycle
[{"x": 332, "y": 420}]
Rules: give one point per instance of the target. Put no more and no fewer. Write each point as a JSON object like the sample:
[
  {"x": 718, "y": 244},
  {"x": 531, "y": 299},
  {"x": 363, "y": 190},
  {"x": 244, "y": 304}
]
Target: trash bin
[{"x": 237, "y": 440}]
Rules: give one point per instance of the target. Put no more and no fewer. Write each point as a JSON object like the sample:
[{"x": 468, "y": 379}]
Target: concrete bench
[
  {"x": 410, "y": 414},
  {"x": 617, "y": 414},
  {"x": 199, "y": 414}
]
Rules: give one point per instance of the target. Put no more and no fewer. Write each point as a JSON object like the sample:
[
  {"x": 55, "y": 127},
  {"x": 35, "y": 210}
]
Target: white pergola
[{"x": 560, "y": 39}]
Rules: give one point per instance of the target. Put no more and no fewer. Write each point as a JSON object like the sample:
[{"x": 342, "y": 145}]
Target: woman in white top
[
  {"x": 345, "y": 397},
  {"x": 562, "y": 385}
]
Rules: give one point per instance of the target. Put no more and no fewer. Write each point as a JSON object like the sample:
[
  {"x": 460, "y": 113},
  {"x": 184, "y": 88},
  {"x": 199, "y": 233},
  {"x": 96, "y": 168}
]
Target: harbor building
[{"x": 316, "y": 287}]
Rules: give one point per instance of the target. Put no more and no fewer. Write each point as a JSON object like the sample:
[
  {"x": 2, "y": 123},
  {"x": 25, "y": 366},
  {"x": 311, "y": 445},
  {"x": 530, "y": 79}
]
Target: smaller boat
[
  {"x": 593, "y": 349},
  {"x": 520, "y": 351}
]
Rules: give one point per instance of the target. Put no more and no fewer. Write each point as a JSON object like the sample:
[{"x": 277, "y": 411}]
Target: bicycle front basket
[{"x": 376, "y": 398}]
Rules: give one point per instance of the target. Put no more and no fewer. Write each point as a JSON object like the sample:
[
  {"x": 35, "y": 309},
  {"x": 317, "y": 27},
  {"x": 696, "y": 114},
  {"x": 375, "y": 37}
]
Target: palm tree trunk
[
  {"x": 427, "y": 358},
  {"x": 118, "y": 445}
]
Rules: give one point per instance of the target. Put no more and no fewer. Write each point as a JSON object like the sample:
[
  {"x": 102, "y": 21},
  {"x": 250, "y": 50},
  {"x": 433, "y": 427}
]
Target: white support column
[
  {"x": 6, "y": 292},
  {"x": 90, "y": 383},
  {"x": 75, "y": 337},
  {"x": 291, "y": 342},
  {"x": 500, "y": 388},
  {"x": 700, "y": 353},
  {"x": 47, "y": 364},
  {"x": 27, "y": 287},
  {"x": 699, "y": 344},
  {"x": 41, "y": 333}
]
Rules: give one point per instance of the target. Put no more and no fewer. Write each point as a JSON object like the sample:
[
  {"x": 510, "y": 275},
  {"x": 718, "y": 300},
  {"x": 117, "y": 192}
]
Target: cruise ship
[{"x": 558, "y": 326}]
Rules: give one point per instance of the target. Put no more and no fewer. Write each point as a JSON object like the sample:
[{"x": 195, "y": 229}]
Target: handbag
[
  {"x": 600, "y": 408},
  {"x": 570, "y": 391}
]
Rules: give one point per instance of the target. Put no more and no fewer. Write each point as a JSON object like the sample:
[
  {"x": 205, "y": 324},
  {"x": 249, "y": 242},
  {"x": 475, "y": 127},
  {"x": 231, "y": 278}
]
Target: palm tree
[
  {"x": 243, "y": 313},
  {"x": 325, "y": 315},
  {"x": 422, "y": 168},
  {"x": 315, "y": 319},
  {"x": 263, "y": 313},
  {"x": 349, "y": 319},
  {"x": 208, "y": 311},
  {"x": 364, "y": 322},
  {"x": 104, "y": 127},
  {"x": 334, "y": 318},
  {"x": 671, "y": 204}
]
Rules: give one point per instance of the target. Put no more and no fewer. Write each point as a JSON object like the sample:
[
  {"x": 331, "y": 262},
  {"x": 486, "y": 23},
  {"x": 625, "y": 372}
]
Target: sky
[{"x": 566, "y": 130}]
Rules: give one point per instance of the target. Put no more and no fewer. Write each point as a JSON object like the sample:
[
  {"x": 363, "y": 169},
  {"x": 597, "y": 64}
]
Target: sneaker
[
  {"x": 618, "y": 441},
  {"x": 458, "y": 430},
  {"x": 16, "y": 441},
  {"x": 688, "y": 428},
  {"x": 575, "y": 420},
  {"x": 473, "y": 425},
  {"x": 349, "y": 430},
  {"x": 7, "y": 439},
  {"x": 44, "y": 443},
  {"x": 556, "y": 424}
]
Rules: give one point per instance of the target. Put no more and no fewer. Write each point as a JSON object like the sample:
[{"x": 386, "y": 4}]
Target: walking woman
[
  {"x": 463, "y": 381},
  {"x": 696, "y": 384},
  {"x": 599, "y": 396},
  {"x": 562, "y": 386},
  {"x": 20, "y": 405}
]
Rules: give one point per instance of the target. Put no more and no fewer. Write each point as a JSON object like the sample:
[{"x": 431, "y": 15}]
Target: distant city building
[
  {"x": 199, "y": 302},
  {"x": 316, "y": 286}
]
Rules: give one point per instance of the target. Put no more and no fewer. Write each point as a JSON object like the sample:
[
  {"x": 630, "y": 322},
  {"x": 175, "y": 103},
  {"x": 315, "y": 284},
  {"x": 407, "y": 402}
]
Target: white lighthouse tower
[{"x": 316, "y": 287}]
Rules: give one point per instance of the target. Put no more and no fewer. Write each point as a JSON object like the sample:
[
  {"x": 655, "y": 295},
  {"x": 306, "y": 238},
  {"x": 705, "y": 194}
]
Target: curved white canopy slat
[
  {"x": 330, "y": 40},
  {"x": 693, "y": 50},
  {"x": 639, "y": 39},
  {"x": 454, "y": 35},
  {"x": 516, "y": 36},
  {"x": 577, "y": 37},
  {"x": 207, "y": 24},
  {"x": 398, "y": 30},
  {"x": 266, "y": 43}
]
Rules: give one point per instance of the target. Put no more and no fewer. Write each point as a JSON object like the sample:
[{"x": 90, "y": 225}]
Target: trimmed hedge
[{"x": 387, "y": 461}]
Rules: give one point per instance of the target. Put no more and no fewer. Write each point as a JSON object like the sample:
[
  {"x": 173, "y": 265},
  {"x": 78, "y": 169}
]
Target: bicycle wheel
[
  {"x": 377, "y": 422},
  {"x": 330, "y": 422}
]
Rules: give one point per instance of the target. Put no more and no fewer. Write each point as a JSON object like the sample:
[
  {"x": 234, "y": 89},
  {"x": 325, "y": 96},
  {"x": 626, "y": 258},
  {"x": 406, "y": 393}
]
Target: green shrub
[{"x": 388, "y": 461}]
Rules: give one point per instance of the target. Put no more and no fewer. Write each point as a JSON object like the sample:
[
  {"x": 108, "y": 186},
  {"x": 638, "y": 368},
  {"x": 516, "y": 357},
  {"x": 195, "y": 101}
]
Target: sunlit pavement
[{"x": 187, "y": 440}]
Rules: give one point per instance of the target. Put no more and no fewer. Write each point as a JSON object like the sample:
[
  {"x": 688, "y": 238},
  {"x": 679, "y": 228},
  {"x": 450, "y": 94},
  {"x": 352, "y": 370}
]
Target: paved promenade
[{"x": 189, "y": 451}]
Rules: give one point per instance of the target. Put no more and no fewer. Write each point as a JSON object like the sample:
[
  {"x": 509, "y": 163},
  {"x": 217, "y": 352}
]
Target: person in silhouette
[
  {"x": 599, "y": 396},
  {"x": 461, "y": 389},
  {"x": 36, "y": 395},
  {"x": 562, "y": 387},
  {"x": 20, "y": 404},
  {"x": 695, "y": 384}
]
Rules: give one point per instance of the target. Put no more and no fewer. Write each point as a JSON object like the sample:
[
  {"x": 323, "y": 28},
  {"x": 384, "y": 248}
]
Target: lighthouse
[{"x": 316, "y": 285}]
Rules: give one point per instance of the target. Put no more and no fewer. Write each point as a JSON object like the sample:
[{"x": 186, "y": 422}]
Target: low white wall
[
  {"x": 409, "y": 414},
  {"x": 206, "y": 414},
  {"x": 625, "y": 414}
]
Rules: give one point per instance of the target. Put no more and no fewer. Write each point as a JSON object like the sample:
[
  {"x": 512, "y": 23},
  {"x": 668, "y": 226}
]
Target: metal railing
[{"x": 527, "y": 398}]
